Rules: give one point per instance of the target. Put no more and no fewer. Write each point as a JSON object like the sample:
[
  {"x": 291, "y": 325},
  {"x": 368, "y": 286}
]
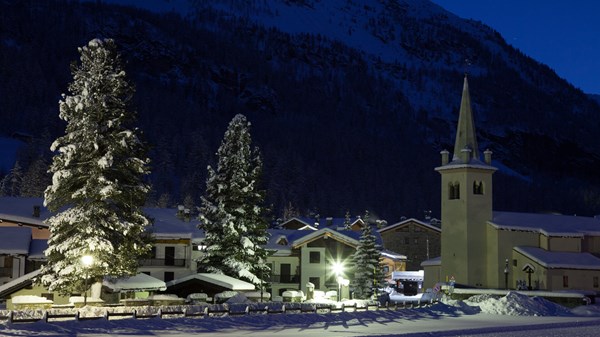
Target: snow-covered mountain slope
[{"x": 350, "y": 100}]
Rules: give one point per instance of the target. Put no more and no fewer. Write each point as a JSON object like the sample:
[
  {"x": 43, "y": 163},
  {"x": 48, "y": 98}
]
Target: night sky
[{"x": 564, "y": 35}]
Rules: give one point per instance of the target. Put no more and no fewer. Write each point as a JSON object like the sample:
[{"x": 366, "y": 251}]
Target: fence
[{"x": 185, "y": 311}]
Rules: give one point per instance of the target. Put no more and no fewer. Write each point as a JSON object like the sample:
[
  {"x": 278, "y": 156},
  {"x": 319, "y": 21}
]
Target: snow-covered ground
[{"x": 482, "y": 315}]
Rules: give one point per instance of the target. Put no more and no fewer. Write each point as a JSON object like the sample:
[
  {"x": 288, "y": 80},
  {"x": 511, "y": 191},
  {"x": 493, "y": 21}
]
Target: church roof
[
  {"x": 560, "y": 260},
  {"x": 547, "y": 224},
  {"x": 466, "y": 137}
]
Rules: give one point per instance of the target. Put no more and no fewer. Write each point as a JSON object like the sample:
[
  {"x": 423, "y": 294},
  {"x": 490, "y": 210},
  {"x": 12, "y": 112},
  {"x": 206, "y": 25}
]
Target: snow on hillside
[{"x": 483, "y": 315}]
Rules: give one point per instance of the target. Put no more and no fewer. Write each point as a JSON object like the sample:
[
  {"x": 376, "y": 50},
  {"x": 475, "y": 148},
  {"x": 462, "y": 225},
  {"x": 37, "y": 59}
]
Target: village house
[{"x": 297, "y": 256}]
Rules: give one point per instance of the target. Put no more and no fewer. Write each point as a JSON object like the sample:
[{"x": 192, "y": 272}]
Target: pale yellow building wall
[
  {"x": 552, "y": 279},
  {"x": 464, "y": 237},
  {"x": 432, "y": 275},
  {"x": 276, "y": 262},
  {"x": 564, "y": 244},
  {"x": 37, "y": 291},
  {"x": 591, "y": 244},
  {"x": 309, "y": 270},
  {"x": 500, "y": 248}
]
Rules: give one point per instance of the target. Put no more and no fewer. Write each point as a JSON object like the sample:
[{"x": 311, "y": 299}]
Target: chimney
[
  {"x": 445, "y": 155},
  {"x": 180, "y": 210},
  {"x": 36, "y": 211},
  {"x": 488, "y": 156}
]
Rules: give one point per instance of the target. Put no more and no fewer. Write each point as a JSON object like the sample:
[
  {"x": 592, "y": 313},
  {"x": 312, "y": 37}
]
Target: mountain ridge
[{"x": 339, "y": 130}]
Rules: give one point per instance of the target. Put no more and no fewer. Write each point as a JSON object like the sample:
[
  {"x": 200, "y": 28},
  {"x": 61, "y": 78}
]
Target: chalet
[{"x": 417, "y": 240}]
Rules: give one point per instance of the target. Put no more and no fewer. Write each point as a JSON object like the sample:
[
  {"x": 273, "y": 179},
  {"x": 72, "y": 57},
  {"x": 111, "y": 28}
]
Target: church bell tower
[{"x": 466, "y": 203}]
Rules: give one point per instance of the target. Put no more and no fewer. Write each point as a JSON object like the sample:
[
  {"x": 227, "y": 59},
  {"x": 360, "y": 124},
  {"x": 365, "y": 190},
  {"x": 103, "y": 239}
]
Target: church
[{"x": 483, "y": 248}]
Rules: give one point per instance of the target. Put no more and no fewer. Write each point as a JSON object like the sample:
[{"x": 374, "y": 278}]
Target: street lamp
[
  {"x": 506, "y": 274},
  {"x": 338, "y": 269},
  {"x": 87, "y": 261}
]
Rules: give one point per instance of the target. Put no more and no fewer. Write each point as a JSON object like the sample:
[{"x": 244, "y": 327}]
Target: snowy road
[{"x": 381, "y": 323}]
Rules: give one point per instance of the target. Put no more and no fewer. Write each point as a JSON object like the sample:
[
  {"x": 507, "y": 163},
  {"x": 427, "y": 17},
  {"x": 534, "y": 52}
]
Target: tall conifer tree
[
  {"x": 233, "y": 216},
  {"x": 368, "y": 274},
  {"x": 98, "y": 168}
]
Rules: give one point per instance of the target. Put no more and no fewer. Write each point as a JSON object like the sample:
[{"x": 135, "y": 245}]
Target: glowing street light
[
  {"x": 86, "y": 261},
  {"x": 338, "y": 269}
]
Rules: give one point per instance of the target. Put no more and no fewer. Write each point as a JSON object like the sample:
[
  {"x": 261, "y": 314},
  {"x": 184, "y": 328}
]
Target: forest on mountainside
[{"x": 339, "y": 130}]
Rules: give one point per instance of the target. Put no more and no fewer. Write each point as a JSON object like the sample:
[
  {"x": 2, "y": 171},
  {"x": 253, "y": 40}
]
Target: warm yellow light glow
[
  {"x": 338, "y": 268},
  {"x": 87, "y": 260}
]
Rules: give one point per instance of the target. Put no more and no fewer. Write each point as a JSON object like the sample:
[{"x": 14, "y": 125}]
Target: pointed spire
[{"x": 466, "y": 138}]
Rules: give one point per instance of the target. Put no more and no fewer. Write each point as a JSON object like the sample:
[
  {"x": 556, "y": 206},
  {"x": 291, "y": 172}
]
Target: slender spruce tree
[
  {"x": 232, "y": 214},
  {"x": 368, "y": 272},
  {"x": 98, "y": 172}
]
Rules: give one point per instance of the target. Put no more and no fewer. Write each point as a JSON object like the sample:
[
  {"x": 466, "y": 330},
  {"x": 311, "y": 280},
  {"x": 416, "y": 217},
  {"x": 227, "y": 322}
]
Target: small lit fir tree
[
  {"x": 368, "y": 272},
  {"x": 98, "y": 168},
  {"x": 232, "y": 214}
]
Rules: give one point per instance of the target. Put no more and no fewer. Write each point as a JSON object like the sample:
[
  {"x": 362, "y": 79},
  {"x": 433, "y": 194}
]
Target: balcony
[
  {"x": 284, "y": 279},
  {"x": 162, "y": 262}
]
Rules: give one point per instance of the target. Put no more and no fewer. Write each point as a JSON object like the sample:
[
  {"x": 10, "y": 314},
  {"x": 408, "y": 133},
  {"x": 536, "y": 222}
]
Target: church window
[
  {"x": 477, "y": 187},
  {"x": 454, "y": 191}
]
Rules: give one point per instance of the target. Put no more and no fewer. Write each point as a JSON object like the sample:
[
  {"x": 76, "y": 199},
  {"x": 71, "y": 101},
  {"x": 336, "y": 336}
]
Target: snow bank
[
  {"x": 30, "y": 299},
  {"x": 513, "y": 304}
]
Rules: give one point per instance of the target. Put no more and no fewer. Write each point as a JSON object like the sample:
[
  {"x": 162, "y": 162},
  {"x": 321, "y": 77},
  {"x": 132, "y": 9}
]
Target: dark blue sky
[{"x": 564, "y": 34}]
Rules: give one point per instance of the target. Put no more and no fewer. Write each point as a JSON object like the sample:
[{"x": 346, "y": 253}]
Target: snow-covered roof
[
  {"x": 20, "y": 210},
  {"x": 15, "y": 240},
  {"x": 473, "y": 163},
  {"x": 37, "y": 248},
  {"x": 139, "y": 282},
  {"x": 314, "y": 224},
  {"x": 560, "y": 260},
  {"x": 393, "y": 255},
  {"x": 547, "y": 224},
  {"x": 404, "y": 222},
  {"x": 224, "y": 281},
  {"x": 167, "y": 224},
  {"x": 436, "y": 261},
  {"x": 348, "y": 237},
  {"x": 18, "y": 283}
]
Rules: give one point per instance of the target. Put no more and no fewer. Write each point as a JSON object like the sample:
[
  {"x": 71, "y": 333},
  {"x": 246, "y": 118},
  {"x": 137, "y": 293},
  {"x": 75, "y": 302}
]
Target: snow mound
[
  {"x": 515, "y": 304},
  {"x": 238, "y": 298}
]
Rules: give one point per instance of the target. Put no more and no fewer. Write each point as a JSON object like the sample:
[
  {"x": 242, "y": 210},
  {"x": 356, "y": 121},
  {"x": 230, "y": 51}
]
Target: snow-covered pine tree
[
  {"x": 368, "y": 272},
  {"x": 232, "y": 213},
  {"x": 98, "y": 169},
  {"x": 36, "y": 179},
  {"x": 11, "y": 184}
]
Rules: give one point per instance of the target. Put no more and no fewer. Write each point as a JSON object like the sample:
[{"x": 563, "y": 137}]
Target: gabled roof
[
  {"x": 221, "y": 280},
  {"x": 327, "y": 222},
  {"x": 167, "y": 224},
  {"x": 139, "y": 282},
  {"x": 560, "y": 260},
  {"x": 407, "y": 221},
  {"x": 342, "y": 236},
  {"x": 547, "y": 224}
]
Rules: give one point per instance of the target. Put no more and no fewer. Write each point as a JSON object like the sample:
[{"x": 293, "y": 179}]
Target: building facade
[{"x": 488, "y": 249}]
